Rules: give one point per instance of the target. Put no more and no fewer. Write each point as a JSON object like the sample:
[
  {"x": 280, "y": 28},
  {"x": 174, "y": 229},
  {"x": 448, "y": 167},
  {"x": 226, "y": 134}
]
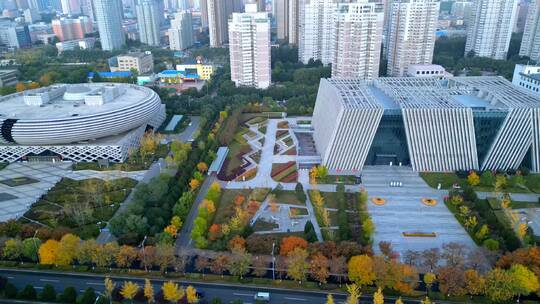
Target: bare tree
[
  {"x": 412, "y": 258},
  {"x": 180, "y": 263},
  {"x": 260, "y": 266},
  {"x": 454, "y": 254},
  {"x": 338, "y": 268},
  {"x": 431, "y": 258},
  {"x": 201, "y": 263}
]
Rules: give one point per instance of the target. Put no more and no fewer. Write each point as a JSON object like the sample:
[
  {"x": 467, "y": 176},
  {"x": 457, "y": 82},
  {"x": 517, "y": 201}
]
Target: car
[{"x": 262, "y": 296}]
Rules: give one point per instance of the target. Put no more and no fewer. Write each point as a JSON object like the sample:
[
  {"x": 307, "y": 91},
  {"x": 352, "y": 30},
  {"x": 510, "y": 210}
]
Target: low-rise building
[
  {"x": 204, "y": 71},
  {"x": 83, "y": 44},
  {"x": 8, "y": 78},
  {"x": 427, "y": 70},
  {"x": 527, "y": 77},
  {"x": 142, "y": 62}
]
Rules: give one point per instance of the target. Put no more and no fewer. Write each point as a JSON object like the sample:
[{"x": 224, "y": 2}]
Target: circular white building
[{"x": 81, "y": 122}]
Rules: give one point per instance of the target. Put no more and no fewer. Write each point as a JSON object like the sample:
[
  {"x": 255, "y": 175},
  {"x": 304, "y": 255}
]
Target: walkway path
[{"x": 184, "y": 237}]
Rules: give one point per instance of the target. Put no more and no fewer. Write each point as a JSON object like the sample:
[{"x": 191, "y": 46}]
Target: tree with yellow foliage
[
  {"x": 129, "y": 290},
  {"x": 208, "y": 205},
  {"x": 399, "y": 301},
  {"x": 191, "y": 295},
  {"x": 194, "y": 184},
  {"x": 378, "y": 297},
  {"x": 125, "y": 256},
  {"x": 109, "y": 287},
  {"x": 354, "y": 294},
  {"x": 172, "y": 292},
  {"x": 522, "y": 230},
  {"x": 361, "y": 270},
  {"x": 473, "y": 179},
  {"x": 176, "y": 221},
  {"x": 48, "y": 252},
  {"x": 67, "y": 249},
  {"x": 171, "y": 230},
  {"x": 202, "y": 167},
  {"x": 426, "y": 301},
  {"x": 149, "y": 291},
  {"x": 19, "y": 87},
  {"x": 329, "y": 299}
]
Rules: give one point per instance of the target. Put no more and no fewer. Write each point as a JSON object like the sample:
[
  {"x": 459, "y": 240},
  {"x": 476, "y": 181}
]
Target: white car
[{"x": 262, "y": 296}]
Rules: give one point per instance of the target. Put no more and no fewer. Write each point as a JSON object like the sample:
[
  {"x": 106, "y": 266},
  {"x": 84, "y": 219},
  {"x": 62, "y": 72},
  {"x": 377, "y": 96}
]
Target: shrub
[
  {"x": 216, "y": 301},
  {"x": 88, "y": 297},
  {"x": 48, "y": 294},
  {"x": 3, "y": 282},
  {"x": 28, "y": 293},
  {"x": 69, "y": 295},
  {"x": 309, "y": 232},
  {"x": 10, "y": 291},
  {"x": 491, "y": 244}
]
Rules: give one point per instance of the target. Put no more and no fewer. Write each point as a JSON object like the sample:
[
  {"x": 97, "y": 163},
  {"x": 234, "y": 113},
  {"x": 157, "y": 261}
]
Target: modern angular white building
[
  {"x": 460, "y": 123},
  {"x": 79, "y": 122},
  {"x": 149, "y": 18},
  {"x": 108, "y": 15},
  {"x": 530, "y": 44},
  {"x": 358, "y": 31},
  {"x": 411, "y": 34},
  {"x": 490, "y": 28},
  {"x": 181, "y": 31},
  {"x": 249, "y": 48},
  {"x": 316, "y": 30}
]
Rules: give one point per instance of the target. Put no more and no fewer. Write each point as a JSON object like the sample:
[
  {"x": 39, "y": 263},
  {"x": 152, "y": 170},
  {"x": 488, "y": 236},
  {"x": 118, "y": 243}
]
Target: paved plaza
[
  {"x": 15, "y": 200},
  {"x": 22, "y": 197},
  {"x": 404, "y": 211}
]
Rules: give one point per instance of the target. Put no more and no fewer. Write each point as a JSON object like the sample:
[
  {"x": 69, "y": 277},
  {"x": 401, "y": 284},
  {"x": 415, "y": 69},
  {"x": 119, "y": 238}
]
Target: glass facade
[
  {"x": 486, "y": 127},
  {"x": 390, "y": 141}
]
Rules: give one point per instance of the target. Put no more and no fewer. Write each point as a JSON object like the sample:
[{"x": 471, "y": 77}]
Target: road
[
  {"x": 188, "y": 133},
  {"x": 183, "y": 240},
  {"x": 226, "y": 292}
]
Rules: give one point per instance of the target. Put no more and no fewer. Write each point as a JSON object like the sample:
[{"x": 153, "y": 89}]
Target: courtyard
[{"x": 404, "y": 212}]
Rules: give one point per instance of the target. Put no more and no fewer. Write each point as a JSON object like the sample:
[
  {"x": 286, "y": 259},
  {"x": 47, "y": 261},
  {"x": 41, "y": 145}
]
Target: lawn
[
  {"x": 532, "y": 181},
  {"x": 225, "y": 208},
  {"x": 330, "y": 199},
  {"x": 262, "y": 225},
  {"x": 81, "y": 205},
  {"x": 255, "y": 120},
  {"x": 296, "y": 211},
  {"x": 234, "y": 158},
  {"x": 285, "y": 172},
  {"x": 19, "y": 181},
  {"x": 3, "y": 165},
  {"x": 288, "y": 197},
  {"x": 523, "y": 205},
  {"x": 447, "y": 180},
  {"x": 180, "y": 126},
  {"x": 303, "y": 122}
]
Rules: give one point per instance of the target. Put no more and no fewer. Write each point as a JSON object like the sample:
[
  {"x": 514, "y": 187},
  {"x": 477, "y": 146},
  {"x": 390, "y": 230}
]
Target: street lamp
[
  {"x": 144, "y": 252},
  {"x": 273, "y": 262},
  {"x": 35, "y": 245}
]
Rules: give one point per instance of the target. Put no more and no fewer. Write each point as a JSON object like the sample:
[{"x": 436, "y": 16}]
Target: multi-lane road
[{"x": 227, "y": 293}]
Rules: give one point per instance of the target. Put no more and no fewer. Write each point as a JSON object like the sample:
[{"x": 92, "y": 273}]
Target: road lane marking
[
  {"x": 295, "y": 299},
  {"x": 243, "y": 294},
  {"x": 11, "y": 278},
  {"x": 37, "y": 287},
  {"x": 47, "y": 280},
  {"x": 97, "y": 284}
]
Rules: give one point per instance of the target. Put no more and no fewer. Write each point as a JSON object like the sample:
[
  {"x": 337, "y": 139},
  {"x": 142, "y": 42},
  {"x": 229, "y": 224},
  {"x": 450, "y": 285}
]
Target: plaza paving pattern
[
  {"x": 404, "y": 211},
  {"x": 18, "y": 199}
]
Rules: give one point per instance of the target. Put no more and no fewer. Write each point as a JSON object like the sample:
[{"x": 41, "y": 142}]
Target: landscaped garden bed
[
  {"x": 295, "y": 212},
  {"x": 485, "y": 181},
  {"x": 263, "y": 225},
  {"x": 283, "y": 125},
  {"x": 284, "y": 172},
  {"x": 18, "y": 181},
  {"x": 81, "y": 205}
]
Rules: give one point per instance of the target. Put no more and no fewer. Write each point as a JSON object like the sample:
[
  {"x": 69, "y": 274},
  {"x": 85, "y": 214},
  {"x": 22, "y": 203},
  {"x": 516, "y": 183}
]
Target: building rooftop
[
  {"x": 66, "y": 101},
  {"x": 483, "y": 92}
]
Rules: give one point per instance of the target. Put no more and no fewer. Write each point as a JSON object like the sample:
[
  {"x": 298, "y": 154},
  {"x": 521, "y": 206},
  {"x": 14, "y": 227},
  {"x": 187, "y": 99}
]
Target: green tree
[
  {"x": 10, "y": 291},
  {"x": 48, "y": 294},
  {"x": 69, "y": 295},
  {"x": 13, "y": 249},
  {"x": 500, "y": 286},
  {"x": 28, "y": 293},
  {"x": 297, "y": 264},
  {"x": 309, "y": 232},
  {"x": 88, "y": 297},
  {"x": 487, "y": 179},
  {"x": 30, "y": 248},
  {"x": 524, "y": 280},
  {"x": 239, "y": 262}
]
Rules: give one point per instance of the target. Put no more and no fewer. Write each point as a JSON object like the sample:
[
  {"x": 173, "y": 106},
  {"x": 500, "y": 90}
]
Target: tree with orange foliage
[
  {"x": 214, "y": 232},
  {"x": 290, "y": 243},
  {"x": 319, "y": 268},
  {"x": 33, "y": 85},
  {"x": 239, "y": 200},
  {"x": 194, "y": 184},
  {"x": 252, "y": 207},
  {"x": 48, "y": 252},
  {"x": 202, "y": 167},
  {"x": 209, "y": 205},
  {"x": 20, "y": 87},
  {"x": 528, "y": 257},
  {"x": 237, "y": 242},
  {"x": 171, "y": 230}
]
